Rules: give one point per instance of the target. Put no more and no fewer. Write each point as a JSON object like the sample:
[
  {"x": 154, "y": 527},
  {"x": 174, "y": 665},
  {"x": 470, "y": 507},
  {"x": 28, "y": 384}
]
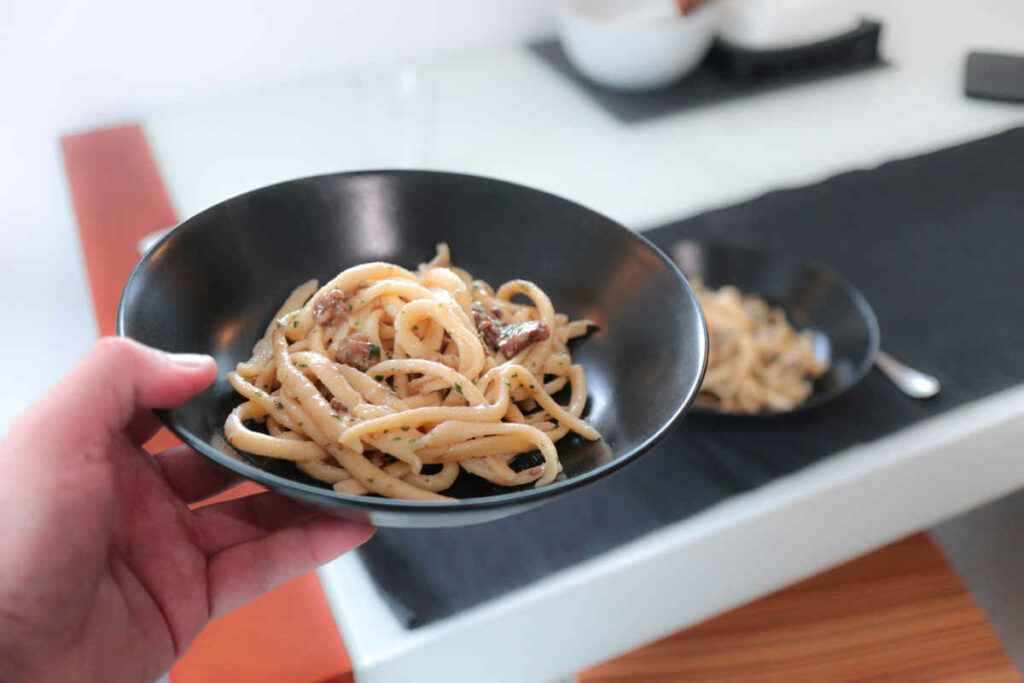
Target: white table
[{"x": 505, "y": 114}]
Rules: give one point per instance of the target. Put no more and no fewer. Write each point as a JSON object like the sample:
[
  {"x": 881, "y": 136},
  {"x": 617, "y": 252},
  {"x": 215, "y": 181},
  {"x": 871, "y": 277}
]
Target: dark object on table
[
  {"x": 212, "y": 285},
  {"x": 814, "y": 297},
  {"x": 934, "y": 242},
  {"x": 729, "y": 72},
  {"x": 856, "y": 47},
  {"x": 994, "y": 76}
]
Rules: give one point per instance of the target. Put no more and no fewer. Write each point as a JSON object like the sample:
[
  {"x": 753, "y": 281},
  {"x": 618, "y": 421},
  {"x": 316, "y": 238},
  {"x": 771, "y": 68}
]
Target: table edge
[{"x": 843, "y": 489}]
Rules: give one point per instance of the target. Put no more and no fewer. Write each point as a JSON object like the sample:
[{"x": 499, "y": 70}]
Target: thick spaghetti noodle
[
  {"x": 386, "y": 381},
  {"x": 756, "y": 362}
]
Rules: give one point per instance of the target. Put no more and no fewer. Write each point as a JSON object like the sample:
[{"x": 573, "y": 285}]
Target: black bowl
[
  {"x": 213, "y": 283},
  {"x": 814, "y": 297}
]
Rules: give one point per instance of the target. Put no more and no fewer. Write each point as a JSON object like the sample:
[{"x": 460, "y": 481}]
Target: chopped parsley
[
  {"x": 405, "y": 428},
  {"x": 379, "y": 378},
  {"x": 374, "y": 350},
  {"x": 397, "y": 438},
  {"x": 458, "y": 388},
  {"x": 295, "y": 323},
  {"x": 278, "y": 405},
  {"x": 302, "y": 365}
]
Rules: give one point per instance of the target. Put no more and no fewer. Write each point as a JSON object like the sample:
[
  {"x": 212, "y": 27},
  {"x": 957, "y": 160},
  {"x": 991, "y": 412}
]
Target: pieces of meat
[
  {"x": 358, "y": 351},
  {"x": 515, "y": 338},
  {"x": 509, "y": 339},
  {"x": 379, "y": 459},
  {"x": 330, "y": 308},
  {"x": 489, "y": 325}
]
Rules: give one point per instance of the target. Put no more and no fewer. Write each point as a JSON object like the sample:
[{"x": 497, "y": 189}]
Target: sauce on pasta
[{"x": 391, "y": 382}]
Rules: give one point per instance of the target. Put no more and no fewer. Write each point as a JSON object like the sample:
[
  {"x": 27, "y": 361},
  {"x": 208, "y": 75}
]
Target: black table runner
[{"x": 936, "y": 244}]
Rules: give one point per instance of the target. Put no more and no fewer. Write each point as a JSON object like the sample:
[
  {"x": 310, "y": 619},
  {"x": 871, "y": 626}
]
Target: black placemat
[
  {"x": 935, "y": 243},
  {"x": 728, "y": 73}
]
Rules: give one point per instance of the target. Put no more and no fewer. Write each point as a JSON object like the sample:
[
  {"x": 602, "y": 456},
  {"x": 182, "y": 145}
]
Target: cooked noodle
[
  {"x": 387, "y": 381},
  {"x": 757, "y": 362}
]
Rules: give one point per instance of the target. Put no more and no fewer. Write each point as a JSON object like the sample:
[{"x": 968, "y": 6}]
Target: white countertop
[{"x": 505, "y": 114}]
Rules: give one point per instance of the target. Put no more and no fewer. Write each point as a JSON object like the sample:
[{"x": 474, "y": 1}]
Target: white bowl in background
[{"x": 635, "y": 44}]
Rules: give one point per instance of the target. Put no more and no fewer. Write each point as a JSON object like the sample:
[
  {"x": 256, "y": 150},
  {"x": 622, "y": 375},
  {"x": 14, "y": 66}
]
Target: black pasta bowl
[
  {"x": 815, "y": 298},
  {"x": 213, "y": 283}
]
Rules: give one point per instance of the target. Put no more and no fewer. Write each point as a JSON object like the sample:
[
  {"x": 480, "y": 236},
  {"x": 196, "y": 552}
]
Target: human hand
[{"x": 105, "y": 572}]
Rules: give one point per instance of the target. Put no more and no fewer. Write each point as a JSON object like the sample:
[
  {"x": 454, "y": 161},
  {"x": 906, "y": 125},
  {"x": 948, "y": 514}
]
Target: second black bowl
[
  {"x": 213, "y": 283},
  {"x": 815, "y": 298}
]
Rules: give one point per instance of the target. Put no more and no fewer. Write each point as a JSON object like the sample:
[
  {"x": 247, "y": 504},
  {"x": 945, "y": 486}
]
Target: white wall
[{"x": 83, "y": 61}]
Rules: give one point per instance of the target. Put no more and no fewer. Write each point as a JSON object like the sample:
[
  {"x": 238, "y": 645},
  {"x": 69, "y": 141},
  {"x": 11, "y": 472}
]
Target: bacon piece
[
  {"x": 515, "y": 338},
  {"x": 358, "y": 351},
  {"x": 330, "y": 308},
  {"x": 489, "y": 326},
  {"x": 509, "y": 339},
  {"x": 379, "y": 459}
]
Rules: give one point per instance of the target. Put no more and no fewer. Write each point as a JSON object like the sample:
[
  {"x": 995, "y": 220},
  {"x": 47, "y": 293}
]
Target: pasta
[
  {"x": 391, "y": 382},
  {"x": 757, "y": 362}
]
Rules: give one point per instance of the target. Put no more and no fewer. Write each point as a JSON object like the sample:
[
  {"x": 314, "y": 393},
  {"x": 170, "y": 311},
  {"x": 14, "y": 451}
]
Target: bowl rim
[
  {"x": 331, "y": 498},
  {"x": 860, "y": 302}
]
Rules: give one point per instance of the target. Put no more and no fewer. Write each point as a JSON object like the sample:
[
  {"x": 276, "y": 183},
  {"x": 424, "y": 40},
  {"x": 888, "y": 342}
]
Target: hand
[{"x": 105, "y": 572}]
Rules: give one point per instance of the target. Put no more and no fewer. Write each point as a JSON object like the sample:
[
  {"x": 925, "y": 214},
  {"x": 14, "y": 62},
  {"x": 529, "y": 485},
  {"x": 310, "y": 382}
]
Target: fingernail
[{"x": 190, "y": 360}]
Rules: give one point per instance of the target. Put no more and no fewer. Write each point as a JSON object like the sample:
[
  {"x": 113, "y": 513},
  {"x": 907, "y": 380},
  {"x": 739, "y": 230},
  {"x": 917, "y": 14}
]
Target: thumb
[{"x": 117, "y": 379}]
